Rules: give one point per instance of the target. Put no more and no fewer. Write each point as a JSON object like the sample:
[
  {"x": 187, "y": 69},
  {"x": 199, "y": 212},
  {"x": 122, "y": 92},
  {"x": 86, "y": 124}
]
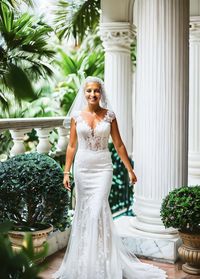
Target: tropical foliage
[
  {"x": 17, "y": 3},
  {"x": 121, "y": 194},
  {"x": 76, "y": 18},
  {"x": 24, "y": 53},
  {"x": 21, "y": 264}
]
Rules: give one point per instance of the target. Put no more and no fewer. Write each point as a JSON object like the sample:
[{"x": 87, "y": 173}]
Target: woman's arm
[
  {"x": 121, "y": 150},
  {"x": 70, "y": 152}
]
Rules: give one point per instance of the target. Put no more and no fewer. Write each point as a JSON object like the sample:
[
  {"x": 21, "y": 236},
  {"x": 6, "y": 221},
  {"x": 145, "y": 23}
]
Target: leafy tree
[
  {"x": 76, "y": 18},
  {"x": 24, "y": 52}
]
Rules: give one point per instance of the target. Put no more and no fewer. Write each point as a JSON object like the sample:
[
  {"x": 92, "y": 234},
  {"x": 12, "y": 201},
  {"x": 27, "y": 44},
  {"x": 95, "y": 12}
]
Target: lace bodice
[{"x": 93, "y": 138}]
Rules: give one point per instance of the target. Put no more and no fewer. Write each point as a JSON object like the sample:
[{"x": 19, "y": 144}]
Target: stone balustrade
[{"x": 19, "y": 127}]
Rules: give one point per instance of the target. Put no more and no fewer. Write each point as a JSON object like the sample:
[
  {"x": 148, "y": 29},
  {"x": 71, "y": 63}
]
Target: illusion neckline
[{"x": 98, "y": 122}]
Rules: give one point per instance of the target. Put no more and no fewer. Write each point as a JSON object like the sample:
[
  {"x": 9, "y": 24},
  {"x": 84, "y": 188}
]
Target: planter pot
[
  {"x": 39, "y": 238},
  {"x": 189, "y": 252}
]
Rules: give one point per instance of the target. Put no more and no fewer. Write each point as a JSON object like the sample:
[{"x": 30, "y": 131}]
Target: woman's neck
[{"x": 92, "y": 108}]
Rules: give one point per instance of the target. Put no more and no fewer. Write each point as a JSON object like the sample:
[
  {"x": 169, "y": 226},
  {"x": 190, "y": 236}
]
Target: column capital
[
  {"x": 117, "y": 36},
  {"x": 195, "y": 29}
]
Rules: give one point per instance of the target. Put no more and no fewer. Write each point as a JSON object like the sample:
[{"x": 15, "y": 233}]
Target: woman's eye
[{"x": 97, "y": 91}]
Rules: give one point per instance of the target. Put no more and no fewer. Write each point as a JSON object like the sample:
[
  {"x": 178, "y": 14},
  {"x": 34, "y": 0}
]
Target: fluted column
[
  {"x": 161, "y": 132},
  {"x": 194, "y": 111},
  {"x": 116, "y": 37}
]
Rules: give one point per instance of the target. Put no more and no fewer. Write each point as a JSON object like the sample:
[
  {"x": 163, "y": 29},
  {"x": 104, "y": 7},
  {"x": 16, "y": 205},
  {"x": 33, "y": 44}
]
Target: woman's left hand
[{"x": 132, "y": 177}]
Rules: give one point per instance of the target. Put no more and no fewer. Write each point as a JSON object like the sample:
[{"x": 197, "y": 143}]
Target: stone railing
[{"x": 19, "y": 127}]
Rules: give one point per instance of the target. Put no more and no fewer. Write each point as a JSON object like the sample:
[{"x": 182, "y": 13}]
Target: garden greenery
[
  {"x": 76, "y": 18},
  {"x": 181, "y": 209},
  {"x": 24, "y": 53},
  {"x": 32, "y": 192},
  {"x": 21, "y": 264},
  {"x": 121, "y": 194}
]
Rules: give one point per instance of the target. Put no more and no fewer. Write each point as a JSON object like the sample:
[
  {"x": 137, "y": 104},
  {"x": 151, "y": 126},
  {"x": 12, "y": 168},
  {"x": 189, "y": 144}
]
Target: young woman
[{"x": 94, "y": 250}]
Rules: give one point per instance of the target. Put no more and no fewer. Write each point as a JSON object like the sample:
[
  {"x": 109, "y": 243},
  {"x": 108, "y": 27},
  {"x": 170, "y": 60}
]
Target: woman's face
[{"x": 92, "y": 93}]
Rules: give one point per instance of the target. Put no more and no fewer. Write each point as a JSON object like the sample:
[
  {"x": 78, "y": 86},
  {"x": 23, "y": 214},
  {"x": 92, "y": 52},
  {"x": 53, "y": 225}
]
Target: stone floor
[{"x": 173, "y": 270}]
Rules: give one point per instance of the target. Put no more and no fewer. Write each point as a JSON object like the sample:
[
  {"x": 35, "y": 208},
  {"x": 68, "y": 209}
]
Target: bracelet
[{"x": 66, "y": 172}]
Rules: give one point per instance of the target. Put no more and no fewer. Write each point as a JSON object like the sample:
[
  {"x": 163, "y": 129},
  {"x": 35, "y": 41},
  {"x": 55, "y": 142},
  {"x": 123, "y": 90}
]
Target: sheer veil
[{"x": 80, "y": 102}]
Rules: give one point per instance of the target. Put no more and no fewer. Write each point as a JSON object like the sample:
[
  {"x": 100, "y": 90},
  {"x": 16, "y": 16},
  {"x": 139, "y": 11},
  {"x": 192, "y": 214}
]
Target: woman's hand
[
  {"x": 66, "y": 181},
  {"x": 132, "y": 177}
]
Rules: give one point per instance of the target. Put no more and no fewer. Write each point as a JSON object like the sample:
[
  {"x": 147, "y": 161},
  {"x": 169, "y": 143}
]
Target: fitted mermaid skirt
[{"x": 94, "y": 250}]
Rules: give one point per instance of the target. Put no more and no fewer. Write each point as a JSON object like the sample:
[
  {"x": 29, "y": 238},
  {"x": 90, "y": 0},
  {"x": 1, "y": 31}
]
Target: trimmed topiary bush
[
  {"x": 181, "y": 209},
  {"x": 32, "y": 192}
]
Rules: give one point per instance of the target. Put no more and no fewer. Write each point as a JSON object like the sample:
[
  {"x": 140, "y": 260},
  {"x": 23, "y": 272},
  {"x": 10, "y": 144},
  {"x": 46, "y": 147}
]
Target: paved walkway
[{"x": 173, "y": 270}]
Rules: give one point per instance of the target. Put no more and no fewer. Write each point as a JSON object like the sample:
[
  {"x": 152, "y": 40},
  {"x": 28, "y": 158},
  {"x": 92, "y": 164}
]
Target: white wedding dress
[{"x": 94, "y": 250}]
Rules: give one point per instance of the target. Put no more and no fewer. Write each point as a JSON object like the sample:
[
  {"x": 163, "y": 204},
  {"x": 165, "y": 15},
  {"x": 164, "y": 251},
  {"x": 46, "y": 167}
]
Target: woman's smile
[{"x": 93, "y": 92}]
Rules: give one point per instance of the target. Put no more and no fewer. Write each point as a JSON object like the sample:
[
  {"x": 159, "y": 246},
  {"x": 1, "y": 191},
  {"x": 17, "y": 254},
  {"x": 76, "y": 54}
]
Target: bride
[{"x": 94, "y": 250}]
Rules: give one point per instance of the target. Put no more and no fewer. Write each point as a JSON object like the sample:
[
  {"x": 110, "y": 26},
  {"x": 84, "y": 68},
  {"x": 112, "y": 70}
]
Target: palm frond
[
  {"x": 67, "y": 63},
  {"x": 3, "y": 101},
  {"x": 26, "y": 32},
  {"x": 6, "y": 18},
  {"x": 17, "y": 3},
  {"x": 24, "y": 51},
  {"x": 15, "y": 78},
  {"x": 76, "y": 18}
]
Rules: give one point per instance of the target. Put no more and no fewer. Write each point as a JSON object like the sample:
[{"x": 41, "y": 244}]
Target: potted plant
[
  {"x": 32, "y": 196},
  {"x": 181, "y": 210}
]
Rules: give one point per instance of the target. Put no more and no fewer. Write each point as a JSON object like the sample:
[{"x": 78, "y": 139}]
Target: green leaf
[
  {"x": 5, "y": 226},
  {"x": 19, "y": 82},
  {"x": 6, "y": 17},
  {"x": 76, "y": 18}
]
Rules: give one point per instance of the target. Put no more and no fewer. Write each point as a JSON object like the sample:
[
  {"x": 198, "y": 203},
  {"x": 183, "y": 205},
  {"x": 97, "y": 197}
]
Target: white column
[
  {"x": 116, "y": 37},
  {"x": 194, "y": 104},
  {"x": 161, "y": 136},
  {"x": 161, "y": 124}
]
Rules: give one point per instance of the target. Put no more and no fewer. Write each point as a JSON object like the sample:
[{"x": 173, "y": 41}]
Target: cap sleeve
[
  {"x": 67, "y": 120},
  {"x": 75, "y": 115},
  {"x": 110, "y": 116}
]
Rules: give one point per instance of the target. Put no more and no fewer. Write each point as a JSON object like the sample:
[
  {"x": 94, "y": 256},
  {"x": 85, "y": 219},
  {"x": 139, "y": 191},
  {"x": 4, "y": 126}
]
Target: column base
[{"x": 149, "y": 245}]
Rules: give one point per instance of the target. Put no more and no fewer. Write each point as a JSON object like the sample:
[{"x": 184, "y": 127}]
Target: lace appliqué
[
  {"x": 93, "y": 138},
  {"x": 76, "y": 116},
  {"x": 110, "y": 116}
]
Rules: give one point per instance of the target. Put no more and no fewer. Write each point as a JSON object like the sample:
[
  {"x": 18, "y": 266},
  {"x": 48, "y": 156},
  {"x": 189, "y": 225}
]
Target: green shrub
[
  {"x": 181, "y": 209},
  {"x": 32, "y": 192},
  {"x": 121, "y": 194}
]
